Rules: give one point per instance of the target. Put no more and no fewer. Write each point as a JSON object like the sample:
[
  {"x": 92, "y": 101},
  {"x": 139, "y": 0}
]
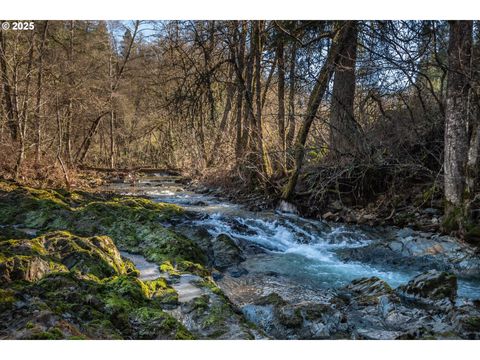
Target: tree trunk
[
  {"x": 85, "y": 146},
  {"x": 223, "y": 123},
  {"x": 314, "y": 103},
  {"x": 239, "y": 64},
  {"x": 291, "y": 104},
  {"x": 112, "y": 139},
  {"x": 281, "y": 101},
  {"x": 456, "y": 120},
  {"x": 264, "y": 162},
  {"x": 473, "y": 158},
  {"x": 38, "y": 104},
  {"x": 22, "y": 117},
  {"x": 344, "y": 134},
  {"x": 7, "y": 89}
]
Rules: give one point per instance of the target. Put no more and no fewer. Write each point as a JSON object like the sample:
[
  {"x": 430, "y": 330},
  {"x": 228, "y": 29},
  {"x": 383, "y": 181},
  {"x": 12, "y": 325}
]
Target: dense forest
[
  {"x": 250, "y": 179},
  {"x": 355, "y": 108}
]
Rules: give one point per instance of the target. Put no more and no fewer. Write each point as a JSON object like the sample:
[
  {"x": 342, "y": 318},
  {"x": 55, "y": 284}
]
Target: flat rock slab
[
  {"x": 187, "y": 289},
  {"x": 148, "y": 270}
]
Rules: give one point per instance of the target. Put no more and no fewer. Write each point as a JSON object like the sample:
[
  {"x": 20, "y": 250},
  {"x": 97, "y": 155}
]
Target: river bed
[{"x": 283, "y": 252}]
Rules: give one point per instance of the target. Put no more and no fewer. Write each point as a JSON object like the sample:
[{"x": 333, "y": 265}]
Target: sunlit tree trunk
[
  {"x": 7, "y": 89},
  {"x": 280, "y": 42}
]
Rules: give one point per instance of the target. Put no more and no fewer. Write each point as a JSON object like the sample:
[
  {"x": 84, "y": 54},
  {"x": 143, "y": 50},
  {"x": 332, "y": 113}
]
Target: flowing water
[{"x": 286, "y": 248}]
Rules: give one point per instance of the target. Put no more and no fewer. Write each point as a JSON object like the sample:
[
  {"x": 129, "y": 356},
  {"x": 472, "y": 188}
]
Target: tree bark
[
  {"x": 291, "y": 104},
  {"x": 239, "y": 65},
  {"x": 457, "y": 111},
  {"x": 85, "y": 146},
  {"x": 456, "y": 144},
  {"x": 7, "y": 89},
  {"x": 223, "y": 123},
  {"x": 344, "y": 132},
  {"x": 38, "y": 104},
  {"x": 281, "y": 101},
  {"x": 263, "y": 162}
]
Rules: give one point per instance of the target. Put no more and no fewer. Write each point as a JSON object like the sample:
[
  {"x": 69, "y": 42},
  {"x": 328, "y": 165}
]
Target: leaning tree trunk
[
  {"x": 281, "y": 101},
  {"x": 344, "y": 131},
  {"x": 313, "y": 105},
  {"x": 456, "y": 119}
]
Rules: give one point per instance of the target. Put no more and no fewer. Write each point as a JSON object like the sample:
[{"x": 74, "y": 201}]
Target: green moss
[
  {"x": 472, "y": 323},
  {"x": 472, "y": 233},
  {"x": 168, "y": 268},
  {"x": 7, "y": 299},
  {"x": 133, "y": 223},
  {"x": 155, "y": 323},
  {"x": 52, "y": 334},
  {"x": 161, "y": 292},
  {"x": 84, "y": 278},
  {"x": 201, "y": 302},
  {"x": 217, "y": 317},
  {"x": 193, "y": 268},
  {"x": 9, "y": 232},
  {"x": 271, "y": 299},
  {"x": 453, "y": 219},
  {"x": 128, "y": 287}
]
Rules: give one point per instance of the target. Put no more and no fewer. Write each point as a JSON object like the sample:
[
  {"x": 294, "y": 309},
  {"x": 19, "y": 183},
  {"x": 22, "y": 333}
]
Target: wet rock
[
  {"x": 328, "y": 216},
  {"x": 226, "y": 252},
  {"x": 418, "y": 251},
  {"x": 431, "y": 287},
  {"x": 305, "y": 320},
  {"x": 237, "y": 271}
]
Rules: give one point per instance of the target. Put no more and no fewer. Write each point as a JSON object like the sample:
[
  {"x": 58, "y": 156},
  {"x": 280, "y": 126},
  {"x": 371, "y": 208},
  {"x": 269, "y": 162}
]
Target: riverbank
[
  {"x": 194, "y": 266},
  {"x": 62, "y": 275},
  {"x": 413, "y": 203}
]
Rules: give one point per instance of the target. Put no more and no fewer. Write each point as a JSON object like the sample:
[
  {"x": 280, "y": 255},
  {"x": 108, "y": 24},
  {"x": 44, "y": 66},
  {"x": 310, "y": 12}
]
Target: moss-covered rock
[
  {"x": 226, "y": 252},
  {"x": 135, "y": 224},
  {"x": 31, "y": 259},
  {"x": 117, "y": 307}
]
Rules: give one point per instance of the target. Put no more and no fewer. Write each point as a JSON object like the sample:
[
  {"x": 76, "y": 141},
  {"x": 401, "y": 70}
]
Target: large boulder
[{"x": 31, "y": 259}]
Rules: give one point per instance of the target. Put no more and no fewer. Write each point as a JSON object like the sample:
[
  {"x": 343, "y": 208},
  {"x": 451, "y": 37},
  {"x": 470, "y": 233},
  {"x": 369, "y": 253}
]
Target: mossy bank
[{"x": 62, "y": 275}]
